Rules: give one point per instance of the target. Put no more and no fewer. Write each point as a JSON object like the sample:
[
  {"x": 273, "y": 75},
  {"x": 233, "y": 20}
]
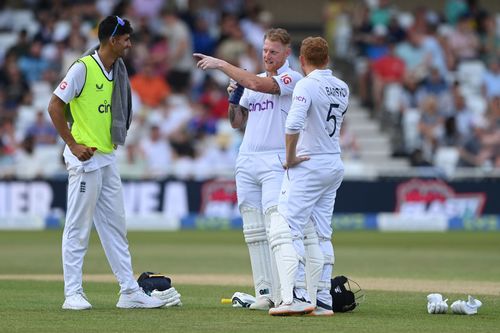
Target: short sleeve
[
  {"x": 301, "y": 101},
  {"x": 72, "y": 84},
  {"x": 287, "y": 81}
]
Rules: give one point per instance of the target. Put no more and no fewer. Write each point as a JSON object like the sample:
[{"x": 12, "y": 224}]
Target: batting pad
[
  {"x": 286, "y": 257},
  {"x": 254, "y": 230},
  {"x": 313, "y": 261}
]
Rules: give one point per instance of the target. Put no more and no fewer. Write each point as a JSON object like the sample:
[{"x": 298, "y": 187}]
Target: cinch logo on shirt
[
  {"x": 262, "y": 106},
  {"x": 104, "y": 108}
]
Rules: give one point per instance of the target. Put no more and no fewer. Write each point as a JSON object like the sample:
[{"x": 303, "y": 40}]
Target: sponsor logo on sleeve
[
  {"x": 63, "y": 85},
  {"x": 300, "y": 99},
  {"x": 286, "y": 79}
]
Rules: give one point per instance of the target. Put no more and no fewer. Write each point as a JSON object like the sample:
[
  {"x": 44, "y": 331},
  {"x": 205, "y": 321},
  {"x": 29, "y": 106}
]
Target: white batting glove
[
  {"x": 436, "y": 305},
  {"x": 467, "y": 308},
  {"x": 170, "y": 295}
]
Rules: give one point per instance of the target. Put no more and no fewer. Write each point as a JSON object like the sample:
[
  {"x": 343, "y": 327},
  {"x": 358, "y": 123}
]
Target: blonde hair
[
  {"x": 315, "y": 51},
  {"x": 278, "y": 35}
]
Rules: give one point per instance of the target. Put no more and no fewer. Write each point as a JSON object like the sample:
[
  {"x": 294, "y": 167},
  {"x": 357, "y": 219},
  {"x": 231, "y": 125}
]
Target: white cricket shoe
[
  {"x": 321, "y": 310},
  {"x": 139, "y": 299},
  {"x": 262, "y": 303},
  {"x": 76, "y": 302},
  {"x": 296, "y": 308}
]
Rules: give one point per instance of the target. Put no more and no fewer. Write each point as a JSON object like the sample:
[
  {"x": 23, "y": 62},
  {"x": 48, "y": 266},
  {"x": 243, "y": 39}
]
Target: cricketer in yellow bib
[
  {"x": 95, "y": 195},
  {"x": 91, "y": 110}
]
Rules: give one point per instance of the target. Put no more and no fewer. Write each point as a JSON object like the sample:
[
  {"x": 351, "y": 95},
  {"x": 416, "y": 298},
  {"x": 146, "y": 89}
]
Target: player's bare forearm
[
  {"x": 291, "y": 147},
  {"x": 291, "y": 151},
  {"x": 238, "y": 116},
  {"x": 248, "y": 80},
  {"x": 56, "y": 112}
]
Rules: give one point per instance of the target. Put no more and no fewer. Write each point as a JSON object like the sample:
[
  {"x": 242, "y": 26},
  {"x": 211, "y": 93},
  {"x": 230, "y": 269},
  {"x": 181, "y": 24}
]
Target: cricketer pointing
[{"x": 261, "y": 112}]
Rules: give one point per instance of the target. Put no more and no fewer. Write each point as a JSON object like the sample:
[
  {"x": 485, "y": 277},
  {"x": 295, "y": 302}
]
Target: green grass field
[{"x": 396, "y": 271}]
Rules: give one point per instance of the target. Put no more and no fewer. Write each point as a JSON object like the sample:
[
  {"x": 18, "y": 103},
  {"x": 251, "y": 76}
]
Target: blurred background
[{"x": 421, "y": 141}]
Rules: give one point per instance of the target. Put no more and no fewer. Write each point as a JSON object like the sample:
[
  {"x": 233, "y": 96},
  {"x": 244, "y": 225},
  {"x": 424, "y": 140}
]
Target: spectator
[
  {"x": 463, "y": 42},
  {"x": 337, "y": 28},
  {"x": 491, "y": 80},
  {"x": 151, "y": 88},
  {"x": 435, "y": 85},
  {"x": 22, "y": 46},
  {"x": 203, "y": 41},
  {"x": 387, "y": 69},
  {"x": 434, "y": 51},
  {"x": 463, "y": 115},
  {"x": 214, "y": 99},
  {"x": 454, "y": 9},
  {"x": 157, "y": 153},
  {"x": 232, "y": 45},
  {"x": 33, "y": 65},
  {"x": 431, "y": 127},
  {"x": 414, "y": 55},
  {"x": 348, "y": 143},
  {"x": 180, "y": 51},
  {"x": 175, "y": 115},
  {"x": 148, "y": 9},
  {"x": 27, "y": 161},
  {"x": 255, "y": 25},
  {"x": 395, "y": 33},
  {"x": 490, "y": 39},
  {"x": 8, "y": 141},
  {"x": 381, "y": 14},
  {"x": 473, "y": 153},
  {"x": 13, "y": 84},
  {"x": 42, "y": 131},
  {"x": 451, "y": 136}
]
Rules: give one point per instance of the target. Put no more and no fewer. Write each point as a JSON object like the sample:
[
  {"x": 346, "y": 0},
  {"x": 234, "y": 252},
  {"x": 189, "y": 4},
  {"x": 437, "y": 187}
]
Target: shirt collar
[
  {"x": 325, "y": 71},
  {"x": 283, "y": 68}
]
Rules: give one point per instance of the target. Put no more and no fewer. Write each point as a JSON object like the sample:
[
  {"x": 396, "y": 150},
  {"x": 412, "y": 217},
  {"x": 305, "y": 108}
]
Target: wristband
[{"x": 235, "y": 96}]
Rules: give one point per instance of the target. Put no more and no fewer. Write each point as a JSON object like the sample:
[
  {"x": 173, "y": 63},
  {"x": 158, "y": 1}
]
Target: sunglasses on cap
[{"x": 119, "y": 21}]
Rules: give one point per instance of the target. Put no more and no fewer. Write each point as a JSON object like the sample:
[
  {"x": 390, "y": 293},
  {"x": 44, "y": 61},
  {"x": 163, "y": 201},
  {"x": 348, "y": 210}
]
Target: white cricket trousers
[
  {"x": 96, "y": 197},
  {"x": 309, "y": 190},
  {"x": 258, "y": 179}
]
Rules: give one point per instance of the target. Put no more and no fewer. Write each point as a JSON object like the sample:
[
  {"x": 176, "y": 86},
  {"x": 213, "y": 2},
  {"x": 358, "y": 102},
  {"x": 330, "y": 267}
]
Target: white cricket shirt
[
  {"x": 265, "y": 130},
  {"x": 319, "y": 103}
]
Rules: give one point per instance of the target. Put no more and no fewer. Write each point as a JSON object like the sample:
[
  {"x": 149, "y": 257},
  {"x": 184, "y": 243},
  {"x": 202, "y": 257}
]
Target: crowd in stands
[
  {"x": 432, "y": 78},
  {"x": 180, "y": 125}
]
